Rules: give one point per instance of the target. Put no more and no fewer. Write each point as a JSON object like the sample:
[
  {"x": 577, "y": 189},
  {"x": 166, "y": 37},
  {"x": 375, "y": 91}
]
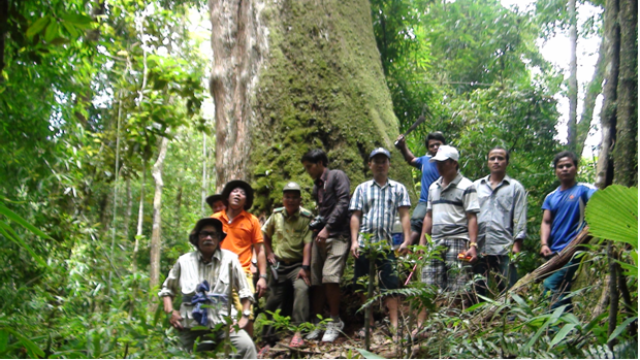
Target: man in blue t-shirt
[
  {"x": 562, "y": 220},
  {"x": 429, "y": 175}
]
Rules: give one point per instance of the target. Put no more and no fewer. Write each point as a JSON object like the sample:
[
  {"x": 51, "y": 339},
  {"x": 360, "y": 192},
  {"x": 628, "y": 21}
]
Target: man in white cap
[{"x": 452, "y": 223}]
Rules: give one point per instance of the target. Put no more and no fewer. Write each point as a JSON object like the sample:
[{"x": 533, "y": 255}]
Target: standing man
[
  {"x": 216, "y": 203},
  {"x": 452, "y": 223},
  {"x": 243, "y": 236},
  {"x": 287, "y": 240},
  {"x": 330, "y": 249},
  {"x": 374, "y": 206},
  {"x": 502, "y": 222},
  {"x": 562, "y": 220},
  {"x": 201, "y": 277},
  {"x": 429, "y": 174}
]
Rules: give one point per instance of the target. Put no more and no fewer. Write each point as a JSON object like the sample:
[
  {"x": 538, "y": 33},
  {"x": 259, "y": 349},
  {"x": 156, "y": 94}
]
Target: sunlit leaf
[{"x": 612, "y": 214}]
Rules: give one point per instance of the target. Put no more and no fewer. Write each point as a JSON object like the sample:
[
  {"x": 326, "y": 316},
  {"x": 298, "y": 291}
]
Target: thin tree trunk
[
  {"x": 594, "y": 88},
  {"x": 604, "y": 176},
  {"x": 128, "y": 210},
  {"x": 114, "y": 224},
  {"x": 613, "y": 292},
  {"x": 4, "y": 16},
  {"x": 203, "y": 203},
  {"x": 625, "y": 153},
  {"x": 178, "y": 207},
  {"x": 573, "y": 77},
  {"x": 156, "y": 241},
  {"x": 136, "y": 246},
  {"x": 603, "y": 302}
]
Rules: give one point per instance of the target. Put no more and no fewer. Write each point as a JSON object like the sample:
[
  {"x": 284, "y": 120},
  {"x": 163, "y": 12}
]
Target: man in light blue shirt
[
  {"x": 562, "y": 220},
  {"x": 429, "y": 174}
]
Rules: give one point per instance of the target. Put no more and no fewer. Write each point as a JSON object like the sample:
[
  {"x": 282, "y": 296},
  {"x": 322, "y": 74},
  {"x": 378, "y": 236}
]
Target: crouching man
[{"x": 201, "y": 277}]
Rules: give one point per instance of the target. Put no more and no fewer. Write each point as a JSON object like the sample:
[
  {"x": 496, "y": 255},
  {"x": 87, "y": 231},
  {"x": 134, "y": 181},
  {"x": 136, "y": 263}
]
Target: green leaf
[
  {"x": 52, "y": 31},
  {"x": 38, "y": 26},
  {"x": 612, "y": 214},
  {"x": 369, "y": 355},
  {"x": 71, "y": 29},
  {"x": 622, "y": 327},
  {"x": 15, "y": 217},
  {"x": 32, "y": 349},
  {"x": 562, "y": 334},
  {"x": 8, "y": 232},
  {"x": 77, "y": 19},
  {"x": 4, "y": 340}
]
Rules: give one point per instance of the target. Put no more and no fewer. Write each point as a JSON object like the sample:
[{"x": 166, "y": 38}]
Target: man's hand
[
  {"x": 261, "y": 287},
  {"x": 472, "y": 254},
  {"x": 253, "y": 268},
  {"x": 305, "y": 276},
  {"x": 355, "y": 249},
  {"x": 271, "y": 258},
  {"x": 242, "y": 323},
  {"x": 404, "y": 248},
  {"x": 175, "y": 319},
  {"x": 322, "y": 235},
  {"x": 546, "y": 251},
  {"x": 400, "y": 141},
  {"x": 517, "y": 246}
]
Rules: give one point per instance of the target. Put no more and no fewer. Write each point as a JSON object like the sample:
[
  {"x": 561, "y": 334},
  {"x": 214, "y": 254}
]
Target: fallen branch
[{"x": 539, "y": 274}]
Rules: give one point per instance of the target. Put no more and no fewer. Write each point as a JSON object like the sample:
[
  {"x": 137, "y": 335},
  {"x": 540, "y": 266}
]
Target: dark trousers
[
  {"x": 280, "y": 296},
  {"x": 558, "y": 285},
  {"x": 494, "y": 269}
]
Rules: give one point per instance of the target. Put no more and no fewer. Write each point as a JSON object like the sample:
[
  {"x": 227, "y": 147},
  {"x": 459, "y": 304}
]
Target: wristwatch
[
  {"x": 264, "y": 276},
  {"x": 306, "y": 267},
  {"x": 473, "y": 244},
  {"x": 246, "y": 313}
]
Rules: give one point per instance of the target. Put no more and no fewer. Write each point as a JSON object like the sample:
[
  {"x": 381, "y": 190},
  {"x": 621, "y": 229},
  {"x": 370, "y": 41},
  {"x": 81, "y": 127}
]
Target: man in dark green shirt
[{"x": 287, "y": 240}]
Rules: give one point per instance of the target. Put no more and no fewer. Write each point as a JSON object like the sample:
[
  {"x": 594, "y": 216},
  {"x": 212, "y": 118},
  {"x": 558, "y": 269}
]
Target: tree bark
[
  {"x": 4, "y": 11},
  {"x": 203, "y": 202},
  {"x": 594, "y": 88},
  {"x": 156, "y": 241},
  {"x": 128, "y": 210},
  {"x": 625, "y": 153},
  {"x": 290, "y": 76},
  {"x": 604, "y": 176},
  {"x": 573, "y": 76}
]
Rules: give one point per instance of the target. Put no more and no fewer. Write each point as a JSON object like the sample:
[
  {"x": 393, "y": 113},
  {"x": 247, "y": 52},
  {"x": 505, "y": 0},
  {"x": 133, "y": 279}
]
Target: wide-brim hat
[
  {"x": 233, "y": 184},
  {"x": 193, "y": 236},
  {"x": 213, "y": 198}
]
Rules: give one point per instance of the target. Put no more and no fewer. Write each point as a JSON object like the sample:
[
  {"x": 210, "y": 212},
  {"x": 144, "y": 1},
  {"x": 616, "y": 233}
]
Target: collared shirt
[
  {"x": 429, "y": 175},
  {"x": 191, "y": 270},
  {"x": 242, "y": 234},
  {"x": 503, "y": 215},
  {"x": 379, "y": 206},
  {"x": 288, "y": 233},
  {"x": 331, "y": 191},
  {"x": 567, "y": 210},
  {"x": 449, "y": 207}
]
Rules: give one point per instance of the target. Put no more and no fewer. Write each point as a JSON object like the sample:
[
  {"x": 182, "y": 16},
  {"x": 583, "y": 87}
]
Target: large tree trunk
[
  {"x": 290, "y": 76},
  {"x": 604, "y": 176},
  {"x": 573, "y": 76},
  {"x": 156, "y": 241},
  {"x": 594, "y": 88},
  {"x": 625, "y": 154}
]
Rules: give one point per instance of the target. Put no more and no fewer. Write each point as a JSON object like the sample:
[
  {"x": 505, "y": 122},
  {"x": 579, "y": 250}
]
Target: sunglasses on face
[{"x": 205, "y": 234}]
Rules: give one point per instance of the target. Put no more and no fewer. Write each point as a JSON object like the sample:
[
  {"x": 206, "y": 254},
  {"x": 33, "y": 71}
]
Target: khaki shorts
[
  {"x": 328, "y": 260},
  {"x": 236, "y": 298}
]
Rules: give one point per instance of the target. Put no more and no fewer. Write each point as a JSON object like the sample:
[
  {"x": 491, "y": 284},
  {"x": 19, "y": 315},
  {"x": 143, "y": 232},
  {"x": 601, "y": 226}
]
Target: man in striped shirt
[
  {"x": 452, "y": 223},
  {"x": 375, "y": 204}
]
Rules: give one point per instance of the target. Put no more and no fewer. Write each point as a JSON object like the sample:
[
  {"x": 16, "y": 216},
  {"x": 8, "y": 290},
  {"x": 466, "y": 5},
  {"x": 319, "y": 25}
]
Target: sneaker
[
  {"x": 333, "y": 331},
  {"x": 314, "y": 334}
]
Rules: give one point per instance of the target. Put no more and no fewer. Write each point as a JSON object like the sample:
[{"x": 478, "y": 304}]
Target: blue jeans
[{"x": 558, "y": 285}]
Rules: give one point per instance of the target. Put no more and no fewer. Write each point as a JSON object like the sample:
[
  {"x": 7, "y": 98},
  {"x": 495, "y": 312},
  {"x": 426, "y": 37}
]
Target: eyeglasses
[{"x": 204, "y": 234}]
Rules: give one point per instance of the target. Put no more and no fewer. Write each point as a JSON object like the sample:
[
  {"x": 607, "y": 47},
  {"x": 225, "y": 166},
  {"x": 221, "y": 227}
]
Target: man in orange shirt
[{"x": 244, "y": 234}]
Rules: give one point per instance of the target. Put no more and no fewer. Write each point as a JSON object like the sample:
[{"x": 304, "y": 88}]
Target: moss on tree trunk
[{"x": 321, "y": 85}]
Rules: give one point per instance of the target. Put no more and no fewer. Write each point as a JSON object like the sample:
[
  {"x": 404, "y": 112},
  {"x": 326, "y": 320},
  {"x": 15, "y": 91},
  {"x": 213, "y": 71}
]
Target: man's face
[
  {"x": 208, "y": 239},
  {"x": 291, "y": 201},
  {"x": 446, "y": 167},
  {"x": 566, "y": 170},
  {"x": 432, "y": 146},
  {"x": 314, "y": 170},
  {"x": 379, "y": 165},
  {"x": 497, "y": 161},
  {"x": 218, "y": 206},
  {"x": 237, "y": 198}
]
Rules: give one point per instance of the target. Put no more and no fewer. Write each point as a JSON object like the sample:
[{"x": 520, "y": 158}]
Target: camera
[{"x": 317, "y": 223}]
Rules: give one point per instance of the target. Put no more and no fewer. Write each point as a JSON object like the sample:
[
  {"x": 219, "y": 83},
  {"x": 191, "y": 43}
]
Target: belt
[
  {"x": 186, "y": 299},
  {"x": 288, "y": 262}
]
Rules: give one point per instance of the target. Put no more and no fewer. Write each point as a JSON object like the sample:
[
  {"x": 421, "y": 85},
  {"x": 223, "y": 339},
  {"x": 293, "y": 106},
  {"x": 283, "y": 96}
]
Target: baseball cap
[
  {"x": 379, "y": 151},
  {"x": 445, "y": 152}
]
